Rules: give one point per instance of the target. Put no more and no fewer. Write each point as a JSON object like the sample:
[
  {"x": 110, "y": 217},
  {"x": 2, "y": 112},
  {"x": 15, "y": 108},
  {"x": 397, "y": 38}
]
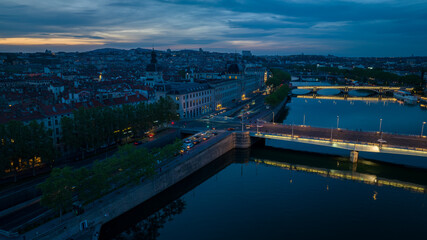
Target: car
[
  {"x": 188, "y": 145},
  {"x": 188, "y": 141},
  {"x": 137, "y": 143},
  {"x": 230, "y": 129}
]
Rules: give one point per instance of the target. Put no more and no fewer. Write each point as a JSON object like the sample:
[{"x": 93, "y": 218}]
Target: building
[{"x": 193, "y": 99}]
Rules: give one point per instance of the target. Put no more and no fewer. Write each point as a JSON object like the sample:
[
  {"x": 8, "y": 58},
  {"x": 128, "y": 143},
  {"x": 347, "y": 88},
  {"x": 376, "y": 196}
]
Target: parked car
[{"x": 230, "y": 129}]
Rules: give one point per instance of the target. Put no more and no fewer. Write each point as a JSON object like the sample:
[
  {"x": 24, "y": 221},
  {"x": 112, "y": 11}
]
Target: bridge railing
[{"x": 345, "y": 141}]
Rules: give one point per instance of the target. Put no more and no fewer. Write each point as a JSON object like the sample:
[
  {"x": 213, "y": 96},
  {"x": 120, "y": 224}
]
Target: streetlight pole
[
  {"x": 422, "y": 129},
  {"x": 292, "y": 130},
  {"x": 273, "y": 117},
  {"x": 338, "y": 121},
  {"x": 381, "y": 121},
  {"x": 257, "y": 131},
  {"x": 303, "y": 121}
]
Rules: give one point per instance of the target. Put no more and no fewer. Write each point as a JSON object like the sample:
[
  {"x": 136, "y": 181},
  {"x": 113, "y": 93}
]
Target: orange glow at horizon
[{"x": 50, "y": 41}]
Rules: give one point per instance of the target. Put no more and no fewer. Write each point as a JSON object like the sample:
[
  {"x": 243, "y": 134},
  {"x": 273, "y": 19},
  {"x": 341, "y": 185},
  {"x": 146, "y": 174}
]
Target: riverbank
[{"x": 116, "y": 203}]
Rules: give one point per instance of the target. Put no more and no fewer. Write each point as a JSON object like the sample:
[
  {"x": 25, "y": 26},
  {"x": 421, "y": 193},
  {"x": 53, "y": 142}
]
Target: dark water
[
  {"x": 275, "y": 194},
  {"x": 355, "y": 115}
]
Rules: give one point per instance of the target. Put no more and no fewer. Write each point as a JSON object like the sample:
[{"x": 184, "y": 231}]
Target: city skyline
[{"x": 342, "y": 28}]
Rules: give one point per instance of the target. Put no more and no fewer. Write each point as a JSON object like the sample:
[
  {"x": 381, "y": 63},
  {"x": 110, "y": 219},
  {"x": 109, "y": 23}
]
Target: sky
[{"x": 265, "y": 27}]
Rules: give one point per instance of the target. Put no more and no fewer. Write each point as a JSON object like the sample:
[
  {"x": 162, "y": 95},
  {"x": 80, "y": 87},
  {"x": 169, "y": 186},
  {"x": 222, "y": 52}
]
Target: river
[
  {"x": 265, "y": 193},
  {"x": 357, "y": 114}
]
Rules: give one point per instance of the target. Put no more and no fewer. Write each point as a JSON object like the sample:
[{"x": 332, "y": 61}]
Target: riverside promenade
[{"x": 87, "y": 225}]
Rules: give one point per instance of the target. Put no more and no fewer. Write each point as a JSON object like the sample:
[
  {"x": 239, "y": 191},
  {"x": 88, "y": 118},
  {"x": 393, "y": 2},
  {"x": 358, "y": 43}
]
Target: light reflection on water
[
  {"x": 357, "y": 115},
  {"x": 269, "y": 194}
]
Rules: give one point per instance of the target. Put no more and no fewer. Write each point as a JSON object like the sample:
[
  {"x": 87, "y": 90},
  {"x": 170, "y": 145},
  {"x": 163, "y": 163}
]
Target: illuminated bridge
[
  {"x": 398, "y": 149},
  {"x": 349, "y": 98},
  {"x": 345, "y": 89}
]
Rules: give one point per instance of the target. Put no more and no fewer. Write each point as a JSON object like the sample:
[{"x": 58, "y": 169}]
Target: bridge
[
  {"x": 372, "y": 145},
  {"x": 346, "y": 89},
  {"x": 349, "y": 98}
]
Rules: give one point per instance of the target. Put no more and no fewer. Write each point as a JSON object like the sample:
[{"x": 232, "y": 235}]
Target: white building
[{"x": 193, "y": 99}]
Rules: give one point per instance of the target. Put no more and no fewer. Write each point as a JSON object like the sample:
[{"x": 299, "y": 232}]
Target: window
[
  {"x": 49, "y": 123},
  {"x": 57, "y": 131},
  {"x": 56, "y": 121}
]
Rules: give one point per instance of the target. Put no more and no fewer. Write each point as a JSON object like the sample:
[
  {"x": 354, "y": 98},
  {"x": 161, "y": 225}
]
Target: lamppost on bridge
[
  {"x": 292, "y": 130},
  {"x": 338, "y": 121},
  {"x": 422, "y": 129},
  {"x": 303, "y": 120},
  {"x": 273, "y": 116},
  {"x": 381, "y": 121}
]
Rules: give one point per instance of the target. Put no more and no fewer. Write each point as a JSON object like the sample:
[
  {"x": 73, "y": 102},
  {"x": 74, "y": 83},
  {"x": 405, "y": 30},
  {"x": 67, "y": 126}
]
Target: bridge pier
[{"x": 354, "y": 155}]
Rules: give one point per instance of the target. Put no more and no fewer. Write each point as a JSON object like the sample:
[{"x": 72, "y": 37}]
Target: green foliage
[
  {"x": 128, "y": 165},
  {"x": 375, "y": 76},
  {"x": 58, "y": 189},
  {"x": 279, "y": 77},
  {"x": 277, "y": 96},
  {"x": 94, "y": 127},
  {"x": 21, "y": 144}
]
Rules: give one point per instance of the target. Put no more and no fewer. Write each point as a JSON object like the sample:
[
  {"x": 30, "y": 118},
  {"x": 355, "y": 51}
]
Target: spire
[
  {"x": 152, "y": 66},
  {"x": 153, "y": 57}
]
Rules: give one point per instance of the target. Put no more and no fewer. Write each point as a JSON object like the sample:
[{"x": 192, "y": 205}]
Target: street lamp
[
  {"x": 381, "y": 121},
  {"x": 303, "y": 121},
  {"x": 338, "y": 121},
  {"x": 422, "y": 129},
  {"x": 292, "y": 130},
  {"x": 273, "y": 117}
]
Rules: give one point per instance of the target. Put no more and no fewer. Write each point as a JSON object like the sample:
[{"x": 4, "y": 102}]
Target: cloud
[{"x": 343, "y": 27}]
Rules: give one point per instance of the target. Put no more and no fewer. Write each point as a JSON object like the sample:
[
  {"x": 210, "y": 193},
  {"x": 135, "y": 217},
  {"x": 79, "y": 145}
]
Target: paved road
[
  {"x": 92, "y": 208},
  {"x": 26, "y": 191}
]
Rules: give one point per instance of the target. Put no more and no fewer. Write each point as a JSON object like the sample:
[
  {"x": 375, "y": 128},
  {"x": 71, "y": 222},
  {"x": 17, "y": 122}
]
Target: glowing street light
[
  {"x": 422, "y": 129},
  {"x": 381, "y": 121}
]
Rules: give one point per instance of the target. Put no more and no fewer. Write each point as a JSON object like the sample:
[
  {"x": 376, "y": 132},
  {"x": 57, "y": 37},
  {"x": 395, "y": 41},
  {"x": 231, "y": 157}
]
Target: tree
[
  {"x": 58, "y": 189},
  {"x": 39, "y": 144}
]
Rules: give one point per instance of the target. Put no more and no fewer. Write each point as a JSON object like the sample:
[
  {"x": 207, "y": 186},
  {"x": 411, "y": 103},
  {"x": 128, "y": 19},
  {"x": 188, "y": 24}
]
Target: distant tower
[
  {"x": 152, "y": 67},
  {"x": 154, "y": 77}
]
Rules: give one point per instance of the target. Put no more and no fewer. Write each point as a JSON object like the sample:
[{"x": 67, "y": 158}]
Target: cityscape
[{"x": 213, "y": 120}]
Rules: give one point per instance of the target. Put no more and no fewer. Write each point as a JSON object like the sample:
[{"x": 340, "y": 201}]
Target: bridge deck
[
  {"x": 350, "y": 87},
  {"x": 405, "y": 141}
]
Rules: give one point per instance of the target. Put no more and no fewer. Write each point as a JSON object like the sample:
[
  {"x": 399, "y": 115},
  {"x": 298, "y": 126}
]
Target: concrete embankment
[
  {"x": 113, "y": 205},
  {"x": 276, "y": 110}
]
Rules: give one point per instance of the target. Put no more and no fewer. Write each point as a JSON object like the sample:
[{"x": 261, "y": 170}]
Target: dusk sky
[{"x": 342, "y": 28}]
